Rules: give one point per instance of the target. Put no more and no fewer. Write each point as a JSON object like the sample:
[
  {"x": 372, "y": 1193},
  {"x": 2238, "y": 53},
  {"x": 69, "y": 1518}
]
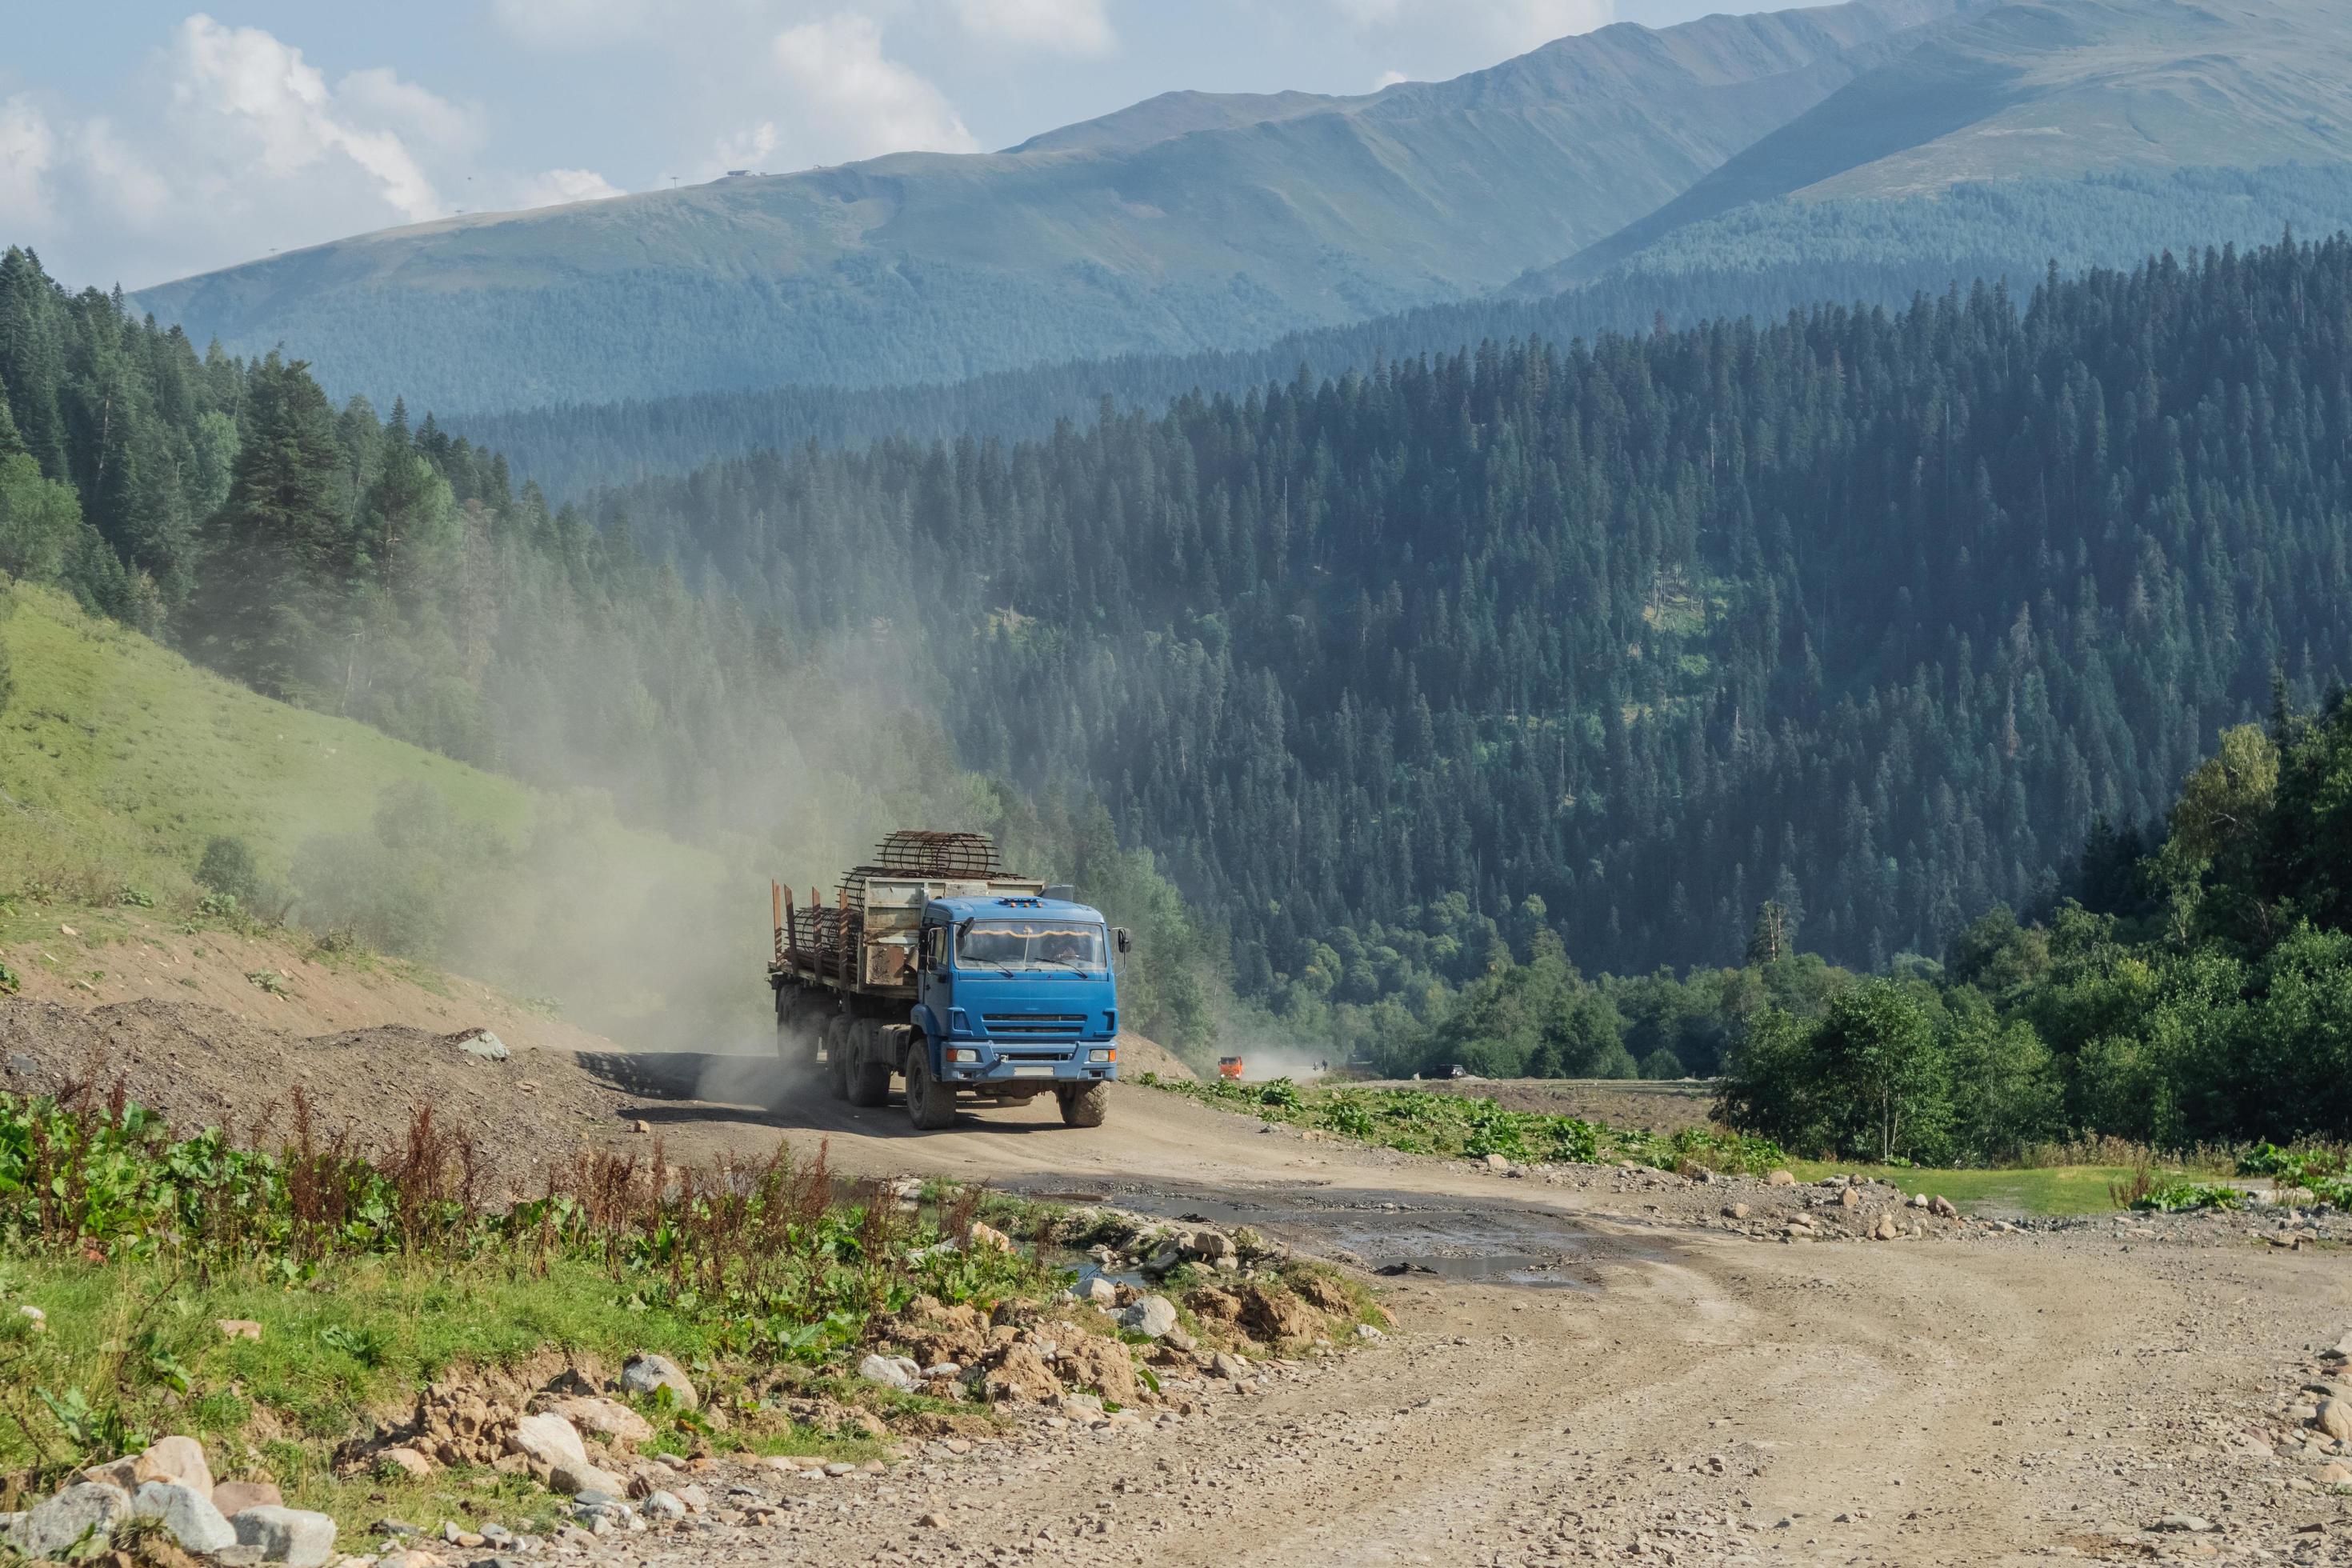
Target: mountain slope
[
  {"x": 2041, "y": 90},
  {"x": 1186, "y": 222}
]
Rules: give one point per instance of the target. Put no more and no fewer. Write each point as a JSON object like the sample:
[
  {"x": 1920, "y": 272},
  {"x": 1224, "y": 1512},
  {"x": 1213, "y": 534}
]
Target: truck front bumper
[{"x": 976, "y": 1062}]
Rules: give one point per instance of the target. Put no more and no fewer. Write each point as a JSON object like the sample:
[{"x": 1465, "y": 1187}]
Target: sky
[{"x": 170, "y": 141}]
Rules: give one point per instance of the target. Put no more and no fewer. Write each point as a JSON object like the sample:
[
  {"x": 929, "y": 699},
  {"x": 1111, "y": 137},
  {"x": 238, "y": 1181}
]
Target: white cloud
[
  {"x": 572, "y": 23},
  {"x": 27, "y": 149},
  {"x": 1515, "y": 24},
  {"x": 559, "y": 187},
  {"x": 1390, "y": 78},
  {"x": 748, "y": 149},
  {"x": 238, "y": 92},
  {"x": 1069, "y": 27},
  {"x": 861, "y": 101}
]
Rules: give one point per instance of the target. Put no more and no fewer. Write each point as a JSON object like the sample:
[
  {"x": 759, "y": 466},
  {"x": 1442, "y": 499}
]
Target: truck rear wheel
[
  {"x": 930, "y": 1104},
  {"x": 1084, "y": 1107},
  {"x": 868, "y": 1072},
  {"x": 836, "y": 1056}
]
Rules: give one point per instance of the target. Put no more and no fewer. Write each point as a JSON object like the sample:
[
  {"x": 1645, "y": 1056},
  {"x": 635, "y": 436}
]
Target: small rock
[
  {"x": 1886, "y": 1230},
  {"x": 293, "y": 1536},
  {"x": 34, "y": 1316},
  {"x": 641, "y": 1127},
  {"x": 935, "y": 1521},
  {"x": 1366, "y": 1332},
  {"x": 696, "y": 1499},
  {"x": 1941, "y": 1207},
  {"x": 407, "y": 1461},
  {"x": 642, "y": 1373},
  {"x": 85, "y": 1510},
  {"x": 2336, "y": 1473},
  {"x": 186, "y": 1514},
  {"x": 663, "y": 1505},
  {"x": 989, "y": 1236},
  {"x": 237, "y": 1328},
  {"x": 483, "y": 1044},
  {"x": 606, "y": 1418},
  {"x": 2183, "y": 1523},
  {"x": 1099, "y": 1290},
  {"x": 549, "y": 1439},
  {"x": 2335, "y": 1418},
  {"x": 1736, "y": 1211},
  {"x": 393, "y": 1530},
  {"x": 1497, "y": 1162},
  {"x": 1781, "y": 1179},
  {"x": 1918, "y": 1200},
  {"x": 579, "y": 1480},
  {"x": 1231, "y": 1368},
  {"x": 232, "y": 1497}
]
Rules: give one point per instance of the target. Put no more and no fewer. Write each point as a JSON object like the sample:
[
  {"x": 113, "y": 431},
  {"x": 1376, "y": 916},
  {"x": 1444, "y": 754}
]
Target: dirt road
[{"x": 1677, "y": 1394}]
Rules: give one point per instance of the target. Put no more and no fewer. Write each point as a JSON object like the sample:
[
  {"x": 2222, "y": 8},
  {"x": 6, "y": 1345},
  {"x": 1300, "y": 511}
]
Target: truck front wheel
[
  {"x": 930, "y": 1104},
  {"x": 1084, "y": 1107}
]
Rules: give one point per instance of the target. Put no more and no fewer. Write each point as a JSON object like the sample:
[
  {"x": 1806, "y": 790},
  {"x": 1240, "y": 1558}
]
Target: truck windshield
[{"x": 1029, "y": 944}]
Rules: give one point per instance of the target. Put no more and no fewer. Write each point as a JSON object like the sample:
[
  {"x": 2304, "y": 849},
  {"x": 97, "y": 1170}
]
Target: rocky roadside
[{"x": 939, "y": 1387}]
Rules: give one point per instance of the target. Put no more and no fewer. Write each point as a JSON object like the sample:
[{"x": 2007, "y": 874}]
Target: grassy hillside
[
  {"x": 120, "y": 762},
  {"x": 1186, "y": 222}
]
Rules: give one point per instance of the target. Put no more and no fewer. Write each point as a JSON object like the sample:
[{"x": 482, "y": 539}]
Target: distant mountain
[
  {"x": 1758, "y": 262},
  {"x": 2037, "y": 90},
  {"x": 1188, "y": 222}
]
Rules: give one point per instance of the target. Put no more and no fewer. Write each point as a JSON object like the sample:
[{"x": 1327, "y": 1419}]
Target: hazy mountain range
[{"x": 1202, "y": 222}]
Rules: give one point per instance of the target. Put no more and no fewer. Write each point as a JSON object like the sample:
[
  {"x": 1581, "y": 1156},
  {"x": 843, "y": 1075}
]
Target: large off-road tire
[
  {"x": 1084, "y": 1107},
  {"x": 930, "y": 1104},
  {"x": 836, "y": 1056},
  {"x": 799, "y": 1029},
  {"x": 868, "y": 1073}
]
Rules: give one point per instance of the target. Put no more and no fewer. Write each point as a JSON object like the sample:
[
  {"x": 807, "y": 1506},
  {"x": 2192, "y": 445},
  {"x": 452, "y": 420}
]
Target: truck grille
[
  {"x": 1058, "y": 1054},
  {"x": 1002, "y": 1025}
]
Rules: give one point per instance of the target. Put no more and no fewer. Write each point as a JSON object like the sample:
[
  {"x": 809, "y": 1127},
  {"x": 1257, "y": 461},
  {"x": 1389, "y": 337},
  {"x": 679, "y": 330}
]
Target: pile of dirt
[
  {"x": 1138, "y": 1054},
  {"x": 202, "y": 1067}
]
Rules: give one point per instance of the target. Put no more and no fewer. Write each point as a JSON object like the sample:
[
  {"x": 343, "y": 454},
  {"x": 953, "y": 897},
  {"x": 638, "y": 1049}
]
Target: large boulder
[
  {"x": 81, "y": 1512},
  {"x": 644, "y": 1373},
  {"x": 294, "y": 1536},
  {"x": 2335, "y": 1418},
  {"x": 186, "y": 1514},
  {"x": 176, "y": 1459}
]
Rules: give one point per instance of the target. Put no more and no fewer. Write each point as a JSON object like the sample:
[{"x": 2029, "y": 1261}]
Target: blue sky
[{"x": 172, "y": 140}]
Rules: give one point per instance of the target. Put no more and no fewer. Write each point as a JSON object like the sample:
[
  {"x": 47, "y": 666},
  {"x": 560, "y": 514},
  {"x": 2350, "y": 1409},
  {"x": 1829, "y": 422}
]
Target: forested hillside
[
  {"x": 1762, "y": 261},
  {"x": 346, "y": 562},
  {"x": 1871, "y": 614}
]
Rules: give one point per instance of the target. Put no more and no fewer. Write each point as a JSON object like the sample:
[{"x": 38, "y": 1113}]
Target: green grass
[
  {"x": 2045, "y": 1191},
  {"x": 1417, "y": 1121},
  {"x": 119, "y": 761},
  {"x": 121, "y": 758},
  {"x": 332, "y": 1355}
]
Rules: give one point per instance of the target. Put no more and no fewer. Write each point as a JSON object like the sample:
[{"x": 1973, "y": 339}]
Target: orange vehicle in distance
[{"x": 1230, "y": 1068}]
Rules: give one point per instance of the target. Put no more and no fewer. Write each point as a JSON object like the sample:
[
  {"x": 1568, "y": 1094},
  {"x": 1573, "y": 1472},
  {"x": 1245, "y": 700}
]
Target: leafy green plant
[{"x": 2174, "y": 1198}]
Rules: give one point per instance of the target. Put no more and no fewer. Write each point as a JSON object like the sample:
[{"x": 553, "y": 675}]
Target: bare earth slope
[{"x": 1685, "y": 1390}]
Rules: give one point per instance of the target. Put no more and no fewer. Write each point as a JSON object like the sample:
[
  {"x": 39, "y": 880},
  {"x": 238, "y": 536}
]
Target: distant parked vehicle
[
  {"x": 1447, "y": 1069},
  {"x": 1230, "y": 1068}
]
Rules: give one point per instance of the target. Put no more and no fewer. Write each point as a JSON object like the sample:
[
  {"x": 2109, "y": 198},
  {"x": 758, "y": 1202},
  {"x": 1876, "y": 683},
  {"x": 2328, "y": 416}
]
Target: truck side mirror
[{"x": 1121, "y": 939}]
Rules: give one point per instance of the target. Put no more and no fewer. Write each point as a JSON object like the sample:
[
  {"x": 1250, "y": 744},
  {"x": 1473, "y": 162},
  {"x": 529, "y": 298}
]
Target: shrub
[
  {"x": 1662, "y": 1064},
  {"x": 227, "y": 870}
]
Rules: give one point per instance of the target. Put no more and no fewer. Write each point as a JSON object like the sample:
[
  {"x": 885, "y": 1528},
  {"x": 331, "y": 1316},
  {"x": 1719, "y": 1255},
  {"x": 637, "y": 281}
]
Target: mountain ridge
[{"x": 1183, "y": 223}]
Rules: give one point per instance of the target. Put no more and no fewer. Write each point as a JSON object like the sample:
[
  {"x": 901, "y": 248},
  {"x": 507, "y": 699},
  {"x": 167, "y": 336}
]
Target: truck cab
[{"x": 1016, "y": 996}]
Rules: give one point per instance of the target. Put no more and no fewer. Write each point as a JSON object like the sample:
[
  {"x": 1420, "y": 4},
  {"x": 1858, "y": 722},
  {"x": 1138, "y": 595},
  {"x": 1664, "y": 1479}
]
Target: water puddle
[{"x": 1486, "y": 1269}]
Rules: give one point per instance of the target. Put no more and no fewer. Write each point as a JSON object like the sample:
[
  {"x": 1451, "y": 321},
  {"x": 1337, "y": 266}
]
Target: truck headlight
[
  {"x": 1102, "y": 1055},
  {"x": 961, "y": 1056}
]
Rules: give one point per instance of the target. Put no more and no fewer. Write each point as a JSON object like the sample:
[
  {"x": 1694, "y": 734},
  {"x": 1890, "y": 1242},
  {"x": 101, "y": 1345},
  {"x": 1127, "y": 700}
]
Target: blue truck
[{"x": 933, "y": 965}]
